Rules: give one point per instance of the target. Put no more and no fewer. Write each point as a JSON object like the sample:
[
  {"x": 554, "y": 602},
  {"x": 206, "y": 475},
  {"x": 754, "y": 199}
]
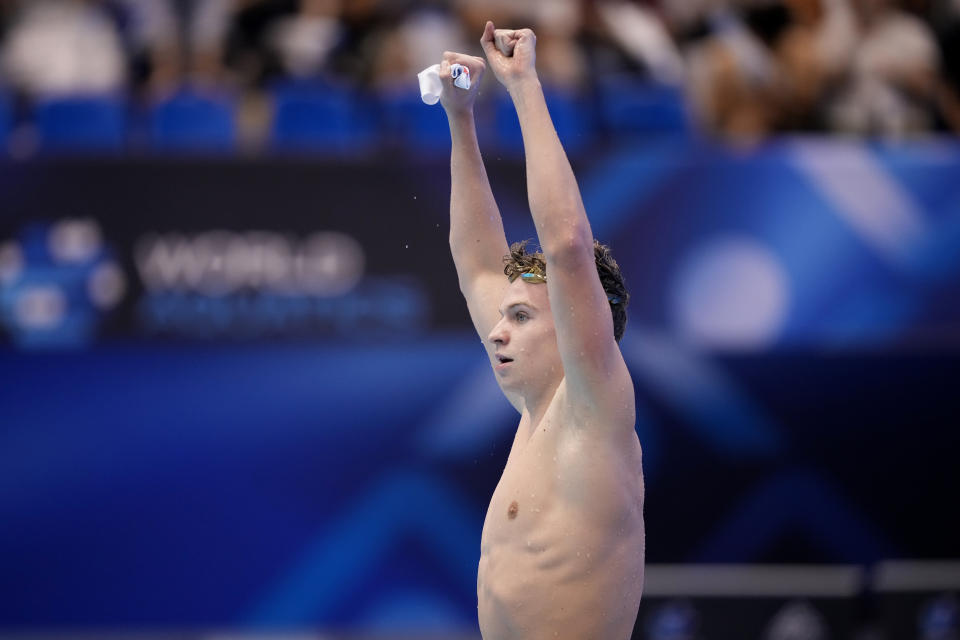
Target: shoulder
[{"x": 609, "y": 405}]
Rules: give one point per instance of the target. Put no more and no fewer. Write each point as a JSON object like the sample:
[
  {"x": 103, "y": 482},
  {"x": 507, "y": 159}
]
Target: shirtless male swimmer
[{"x": 562, "y": 549}]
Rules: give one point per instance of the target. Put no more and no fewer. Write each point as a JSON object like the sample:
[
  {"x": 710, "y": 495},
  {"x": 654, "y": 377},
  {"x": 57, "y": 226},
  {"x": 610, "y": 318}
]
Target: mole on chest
[{"x": 512, "y": 510}]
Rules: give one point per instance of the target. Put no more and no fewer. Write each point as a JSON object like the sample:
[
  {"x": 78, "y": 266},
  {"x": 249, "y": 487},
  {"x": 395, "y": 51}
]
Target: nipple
[{"x": 512, "y": 510}]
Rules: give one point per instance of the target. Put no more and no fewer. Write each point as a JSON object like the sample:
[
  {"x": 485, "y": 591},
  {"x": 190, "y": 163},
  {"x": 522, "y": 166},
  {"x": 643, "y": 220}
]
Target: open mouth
[{"x": 502, "y": 359}]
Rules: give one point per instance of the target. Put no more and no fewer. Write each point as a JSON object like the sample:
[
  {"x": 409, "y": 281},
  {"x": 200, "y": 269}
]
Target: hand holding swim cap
[
  {"x": 460, "y": 76},
  {"x": 464, "y": 72}
]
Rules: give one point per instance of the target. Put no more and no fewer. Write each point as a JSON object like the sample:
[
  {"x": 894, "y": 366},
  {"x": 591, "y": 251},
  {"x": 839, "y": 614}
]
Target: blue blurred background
[{"x": 239, "y": 391}]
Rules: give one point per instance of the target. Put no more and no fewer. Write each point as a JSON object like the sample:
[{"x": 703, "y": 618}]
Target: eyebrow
[{"x": 518, "y": 304}]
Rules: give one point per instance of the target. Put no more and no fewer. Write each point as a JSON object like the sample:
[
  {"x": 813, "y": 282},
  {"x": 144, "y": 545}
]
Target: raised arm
[
  {"x": 582, "y": 316},
  {"x": 477, "y": 239}
]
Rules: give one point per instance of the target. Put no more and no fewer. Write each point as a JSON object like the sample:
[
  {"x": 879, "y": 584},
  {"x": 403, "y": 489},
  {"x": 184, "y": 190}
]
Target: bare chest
[
  {"x": 561, "y": 481},
  {"x": 527, "y": 488},
  {"x": 564, "y": 531}
]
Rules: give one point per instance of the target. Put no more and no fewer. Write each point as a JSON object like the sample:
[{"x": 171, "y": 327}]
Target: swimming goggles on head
[{"x": 533, "y": 277}]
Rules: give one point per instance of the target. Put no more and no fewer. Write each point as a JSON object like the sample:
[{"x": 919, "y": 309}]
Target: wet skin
[{"x": 562, "y": 547}]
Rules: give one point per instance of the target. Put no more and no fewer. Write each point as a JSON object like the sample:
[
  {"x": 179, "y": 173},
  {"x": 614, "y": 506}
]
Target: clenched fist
[{"x": 511, "y": 53}]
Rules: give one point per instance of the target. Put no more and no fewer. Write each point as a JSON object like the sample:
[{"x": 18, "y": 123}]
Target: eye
[{"x": 522, "y": 316}]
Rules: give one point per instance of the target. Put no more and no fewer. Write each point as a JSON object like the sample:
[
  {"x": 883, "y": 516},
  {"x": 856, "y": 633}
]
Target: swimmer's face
[{"x": 525, "y": 340}]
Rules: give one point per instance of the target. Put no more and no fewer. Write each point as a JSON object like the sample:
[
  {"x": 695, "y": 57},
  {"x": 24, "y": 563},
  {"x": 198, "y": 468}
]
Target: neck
[{"x": 537, "y": 402}]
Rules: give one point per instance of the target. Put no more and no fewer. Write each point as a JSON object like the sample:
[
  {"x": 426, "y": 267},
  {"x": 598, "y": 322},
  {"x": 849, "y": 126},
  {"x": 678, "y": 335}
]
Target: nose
[{"x": 498, "y": 335}]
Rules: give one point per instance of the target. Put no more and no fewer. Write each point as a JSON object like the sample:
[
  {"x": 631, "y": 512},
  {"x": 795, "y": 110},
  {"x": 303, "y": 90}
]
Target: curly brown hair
[{"x": 521, "y": 261}]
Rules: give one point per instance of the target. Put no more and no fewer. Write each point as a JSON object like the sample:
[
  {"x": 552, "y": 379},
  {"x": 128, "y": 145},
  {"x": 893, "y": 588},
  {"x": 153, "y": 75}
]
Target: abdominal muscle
[{"x": 561, "y": 554}]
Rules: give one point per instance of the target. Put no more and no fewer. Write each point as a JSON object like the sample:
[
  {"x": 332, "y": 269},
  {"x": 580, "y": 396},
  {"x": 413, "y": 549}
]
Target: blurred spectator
[
  {"x": 421, "y": 35},
  {"x": 770, "y": 66},
  {"x": 272, "y": 39},
  {"x": 813, "y": 54},
  {"x": 749, "y": 68},
  {"x": 149, "y": 31},
  {"x": 7, "y": 10},
  {"x": 364, "y": 24},
  {"x": 304, "y": 41},
  {"x": 560, "y": 58},
  {"x": 57, "y": 47},
  {"x": 628, "y": 36},
  {"x": 944, "y": 17},
  {"x": 69, "y": 46},
  {"x": 891, "y": 84},
  {"x": 202, "y": 32},
  {"x": 733, "y": 75},
  {"x": 182, "y": 41},
  {"x": 948, "y": 91}
]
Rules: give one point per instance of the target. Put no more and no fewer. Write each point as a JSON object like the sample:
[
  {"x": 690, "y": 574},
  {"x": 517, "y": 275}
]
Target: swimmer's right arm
[{"x": 477, "y": 239}]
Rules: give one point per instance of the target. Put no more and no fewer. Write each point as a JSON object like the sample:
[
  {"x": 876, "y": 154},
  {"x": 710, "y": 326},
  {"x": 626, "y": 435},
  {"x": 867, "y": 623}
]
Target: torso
[{"x": 562, "y": 549}]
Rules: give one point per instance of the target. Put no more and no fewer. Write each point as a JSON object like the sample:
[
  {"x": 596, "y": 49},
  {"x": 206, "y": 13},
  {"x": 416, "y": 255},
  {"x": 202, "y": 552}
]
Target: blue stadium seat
[
  {"x": 570, "y": 113},
  {"x": 81, "y": 123},
  {"x": 413, "y": 125},
  {"x": 192, "y": 121},
  {"x": 631, "y": 105},
  {"x": 319, "y": 116}
]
